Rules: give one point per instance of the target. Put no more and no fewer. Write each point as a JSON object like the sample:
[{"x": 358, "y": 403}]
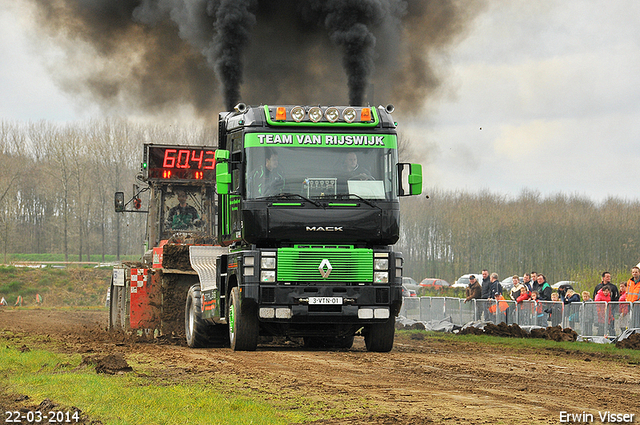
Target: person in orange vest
[
  {"x": 633, "y": 285},
  {"x": 18, "y": 301}
]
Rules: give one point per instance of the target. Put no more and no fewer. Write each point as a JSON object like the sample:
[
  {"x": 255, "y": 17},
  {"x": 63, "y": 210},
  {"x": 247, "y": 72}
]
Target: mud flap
[{"x": 203, "y": 261}]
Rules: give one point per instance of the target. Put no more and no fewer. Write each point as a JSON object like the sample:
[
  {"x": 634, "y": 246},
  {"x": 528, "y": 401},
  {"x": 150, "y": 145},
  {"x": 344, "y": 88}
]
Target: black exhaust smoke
[
  {"x": 348, "y": 23},
  {"x": 154, "y": 54},
  {"x": 233, "y": 23}
]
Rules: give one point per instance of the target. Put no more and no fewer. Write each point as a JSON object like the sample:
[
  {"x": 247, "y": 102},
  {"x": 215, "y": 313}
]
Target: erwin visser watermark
[{"x": 602, "y": 417}]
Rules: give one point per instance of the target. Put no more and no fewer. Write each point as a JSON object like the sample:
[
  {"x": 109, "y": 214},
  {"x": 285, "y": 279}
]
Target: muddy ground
[{"x": 423, "y": 380}]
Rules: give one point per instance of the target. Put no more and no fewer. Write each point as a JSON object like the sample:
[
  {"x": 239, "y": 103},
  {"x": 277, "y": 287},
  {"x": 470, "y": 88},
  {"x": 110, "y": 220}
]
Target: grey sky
[{"x": 542, "y": 95}]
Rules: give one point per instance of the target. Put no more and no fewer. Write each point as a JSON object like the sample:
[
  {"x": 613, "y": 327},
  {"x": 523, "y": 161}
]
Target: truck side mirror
[
  {"x": 223, "y": 177},
  {"x": 409, "y": 179},
  {"x": 119, "y": 202}
]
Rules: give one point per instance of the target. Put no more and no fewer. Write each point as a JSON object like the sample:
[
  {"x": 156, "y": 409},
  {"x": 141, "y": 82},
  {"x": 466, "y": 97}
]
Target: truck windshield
[{"x": 314, "y": 172}]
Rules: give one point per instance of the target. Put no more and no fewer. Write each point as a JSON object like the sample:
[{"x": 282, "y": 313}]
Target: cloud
[{"x": 518, "y": 143}]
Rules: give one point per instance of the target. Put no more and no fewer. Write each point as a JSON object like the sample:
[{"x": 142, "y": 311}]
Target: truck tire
[
  {"x": 379, "y": 337},
  {"x": 243, "y": 324},
  {"x": 195, "y": 328},
  {"x": 113, "y": 311}
]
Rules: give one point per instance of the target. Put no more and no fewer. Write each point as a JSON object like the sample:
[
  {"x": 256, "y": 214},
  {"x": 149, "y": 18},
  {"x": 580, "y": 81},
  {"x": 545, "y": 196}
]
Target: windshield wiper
[
  {"x": 349, "y": 195},
  {"x": 366, "y": 201},
  {"x": 289, "y": 196}
]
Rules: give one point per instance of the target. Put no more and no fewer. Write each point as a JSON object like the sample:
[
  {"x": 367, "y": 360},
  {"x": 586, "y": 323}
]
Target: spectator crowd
[{"x": 535, "y": 289}]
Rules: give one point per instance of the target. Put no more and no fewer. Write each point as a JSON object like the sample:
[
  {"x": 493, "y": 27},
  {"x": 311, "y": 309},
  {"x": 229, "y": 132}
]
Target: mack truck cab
[{"x": 308, "y": 204}]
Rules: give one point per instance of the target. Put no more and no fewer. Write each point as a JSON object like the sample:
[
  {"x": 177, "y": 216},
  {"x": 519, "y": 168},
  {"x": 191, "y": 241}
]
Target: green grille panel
[{"x": 347, "y": 264}]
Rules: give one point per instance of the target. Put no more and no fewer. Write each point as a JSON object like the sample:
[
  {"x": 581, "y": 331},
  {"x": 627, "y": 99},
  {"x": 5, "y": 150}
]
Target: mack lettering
[{"x": 325, "y": 229}]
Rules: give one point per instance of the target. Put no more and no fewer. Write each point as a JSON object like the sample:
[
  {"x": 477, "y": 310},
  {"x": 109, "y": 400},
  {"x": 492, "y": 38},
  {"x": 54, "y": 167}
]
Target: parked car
[
  {"x": 431, "y": 282},
  {"x": 406, "y": 292},
  {"x": 463, "y": 281},
  {"x": 411, "y": 286},
  {"x": 566, "y": 283}
]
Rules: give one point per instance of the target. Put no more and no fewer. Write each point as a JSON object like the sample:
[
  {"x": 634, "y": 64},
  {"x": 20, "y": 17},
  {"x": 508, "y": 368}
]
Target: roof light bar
[{"x": 322, "y": 116}]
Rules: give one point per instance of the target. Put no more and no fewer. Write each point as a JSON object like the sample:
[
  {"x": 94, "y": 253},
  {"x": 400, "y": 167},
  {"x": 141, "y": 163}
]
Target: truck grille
[{"x": 301, "y": 264}]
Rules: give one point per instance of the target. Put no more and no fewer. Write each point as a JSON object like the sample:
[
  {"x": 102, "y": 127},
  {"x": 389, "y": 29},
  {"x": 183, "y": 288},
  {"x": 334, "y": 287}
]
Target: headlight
[
  {"x": 315, "y": 114},
  {"x": 268, "y": 276},
  {"x": 380, "y": 277},
  {"x": 268, "y": 263},
  {"x": 297, "y": 113},
  {"x": 349, "y": 115},
  {"x": 332, "y": 114},
  {"x": 381, "y": 264}
]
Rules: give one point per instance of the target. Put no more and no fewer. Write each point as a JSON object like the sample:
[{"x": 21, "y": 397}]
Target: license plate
[{"x": 325, "y": 300}]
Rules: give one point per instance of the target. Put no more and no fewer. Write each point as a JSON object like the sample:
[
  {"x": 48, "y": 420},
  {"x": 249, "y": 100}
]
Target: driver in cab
[
  {"x": 353, "y": 169},
  {"x": 183, "y": 216},
  {"x": 267, "y": 180}
]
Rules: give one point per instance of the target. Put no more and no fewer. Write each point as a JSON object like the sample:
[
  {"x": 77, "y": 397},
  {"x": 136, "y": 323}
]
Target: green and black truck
[{"x": 296, "y": 241}]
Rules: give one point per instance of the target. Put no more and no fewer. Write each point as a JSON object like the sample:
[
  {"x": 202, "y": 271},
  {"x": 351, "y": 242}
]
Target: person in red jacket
[
  {"x": 524, "y": 295},
  {"x": 604, "y": 294}
]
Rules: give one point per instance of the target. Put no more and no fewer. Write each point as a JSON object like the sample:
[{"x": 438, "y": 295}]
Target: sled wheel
[
  {"x": 196, "y": 329},
  {"x": 117, "y": 307}
]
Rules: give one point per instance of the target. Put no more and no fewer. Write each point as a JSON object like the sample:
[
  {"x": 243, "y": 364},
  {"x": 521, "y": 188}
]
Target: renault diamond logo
[{"x": 325, "y": 268}]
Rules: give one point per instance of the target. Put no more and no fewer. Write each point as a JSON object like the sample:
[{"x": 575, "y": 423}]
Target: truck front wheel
[
  {"x": 243, "y": 324},
  {"x": 379, "y": 337}
]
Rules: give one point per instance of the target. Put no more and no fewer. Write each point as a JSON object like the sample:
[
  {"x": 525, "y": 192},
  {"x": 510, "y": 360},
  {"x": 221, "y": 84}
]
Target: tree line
[{"x": 57, "y": 183}]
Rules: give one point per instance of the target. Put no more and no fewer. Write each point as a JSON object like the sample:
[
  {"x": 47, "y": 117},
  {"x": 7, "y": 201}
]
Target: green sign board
[{"x": 324, "y": 139}]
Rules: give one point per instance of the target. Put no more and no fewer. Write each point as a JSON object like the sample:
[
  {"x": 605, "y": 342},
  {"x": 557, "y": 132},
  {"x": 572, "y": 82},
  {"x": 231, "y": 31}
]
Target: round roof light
[
  {"x": 349, "y": 114},
  {"x": 315, "y": 114},
  {"x": 297, "y": 113},
  {"x": 332, "y": 114}
]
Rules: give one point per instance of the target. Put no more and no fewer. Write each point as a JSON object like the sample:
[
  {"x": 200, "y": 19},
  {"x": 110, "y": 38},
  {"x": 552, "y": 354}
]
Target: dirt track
[{"x": 429, "y": 380}]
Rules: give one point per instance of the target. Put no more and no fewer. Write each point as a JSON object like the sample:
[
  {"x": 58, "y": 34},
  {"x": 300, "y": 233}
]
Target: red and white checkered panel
[{"x": 138, "y": 279}]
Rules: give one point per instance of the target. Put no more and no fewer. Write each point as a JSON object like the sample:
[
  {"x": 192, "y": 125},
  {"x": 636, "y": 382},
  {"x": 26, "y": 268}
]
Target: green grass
[
  {"x": 67, "y": 286},
  {"x": 132, "y": 398}
]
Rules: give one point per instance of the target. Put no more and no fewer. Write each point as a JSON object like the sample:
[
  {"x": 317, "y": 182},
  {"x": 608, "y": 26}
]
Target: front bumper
[{"x": 347, "y": 304}]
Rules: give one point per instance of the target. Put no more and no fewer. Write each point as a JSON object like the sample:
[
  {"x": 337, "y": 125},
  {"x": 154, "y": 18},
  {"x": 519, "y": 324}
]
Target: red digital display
[{"x": 180, "y": 163}]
